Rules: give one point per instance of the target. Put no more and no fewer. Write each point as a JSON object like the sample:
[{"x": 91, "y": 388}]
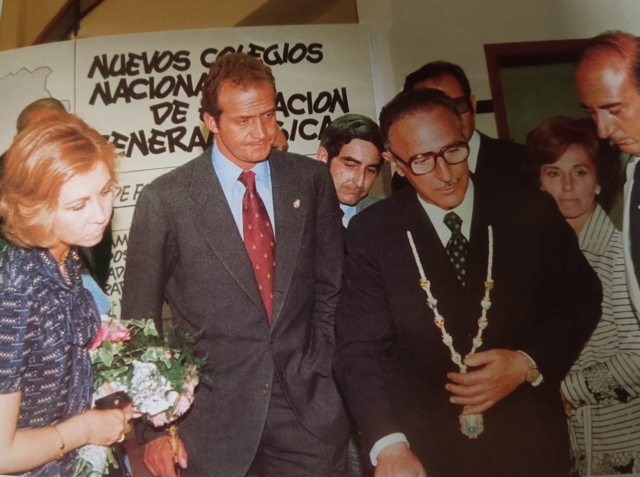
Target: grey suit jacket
[{"x": 184, "y": 246}]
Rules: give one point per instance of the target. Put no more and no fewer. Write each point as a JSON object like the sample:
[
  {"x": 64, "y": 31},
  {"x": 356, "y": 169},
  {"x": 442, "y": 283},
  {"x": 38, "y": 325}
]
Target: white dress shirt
[
  {"x": 464, "y": 211},
  {"x": 234, "y": 190}
]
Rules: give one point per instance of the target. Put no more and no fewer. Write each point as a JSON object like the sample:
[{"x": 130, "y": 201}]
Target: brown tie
[{"x": 258, "y": 238}]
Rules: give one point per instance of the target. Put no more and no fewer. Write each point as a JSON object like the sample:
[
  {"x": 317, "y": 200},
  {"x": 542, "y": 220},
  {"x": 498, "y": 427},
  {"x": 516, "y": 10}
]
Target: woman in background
[
  {"x": 57, "y": 194},
  {"x": 601, "y": 390}
]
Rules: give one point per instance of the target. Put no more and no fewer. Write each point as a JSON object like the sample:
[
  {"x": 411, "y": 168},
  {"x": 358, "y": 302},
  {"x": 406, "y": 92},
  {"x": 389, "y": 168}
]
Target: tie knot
[
  {"x": 248, "y": 179},
  {"x": 453, "y": 221}
]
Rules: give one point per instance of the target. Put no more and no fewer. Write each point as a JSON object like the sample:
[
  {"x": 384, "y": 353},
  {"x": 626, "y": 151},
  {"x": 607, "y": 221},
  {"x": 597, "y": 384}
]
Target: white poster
[
  {"x": 143, "y": 92},
  {"x": 28, "y": 74}
]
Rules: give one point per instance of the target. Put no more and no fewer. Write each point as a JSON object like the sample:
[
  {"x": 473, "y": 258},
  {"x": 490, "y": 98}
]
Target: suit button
[{"x": 266, "y": 389}]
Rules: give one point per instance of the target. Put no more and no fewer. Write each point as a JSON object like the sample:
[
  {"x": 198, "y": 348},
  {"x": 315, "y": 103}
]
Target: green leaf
[
  {"x": 153, "y": 354},
  {"x": 105, "y": 357},
  {"x": 150, "y": 328},
  {"x": 166, "y": 360},
  {"x": 108, "y": 347}
]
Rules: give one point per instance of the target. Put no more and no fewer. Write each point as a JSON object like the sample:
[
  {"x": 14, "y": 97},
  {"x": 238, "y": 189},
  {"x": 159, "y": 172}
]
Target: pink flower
[
  {"x": 102, "y": 334},
  {"x": 185, "y": 400},
  {"x": 106, "y": 389},
  {"x": 114, "y": 331},
  {"x": 118, "y": 332},
  {"x": 159, "y": 419}
]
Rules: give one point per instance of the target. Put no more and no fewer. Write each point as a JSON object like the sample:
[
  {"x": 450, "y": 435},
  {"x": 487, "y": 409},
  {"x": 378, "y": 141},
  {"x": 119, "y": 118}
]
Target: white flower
[
  {"x": 96, "y": 456},
  {"x": 150, "y": 391}
]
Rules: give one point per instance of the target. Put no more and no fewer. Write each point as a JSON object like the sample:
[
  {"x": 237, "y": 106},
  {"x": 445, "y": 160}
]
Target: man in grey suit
[
  {"x": 245, "y": 243},
  {"x": 352, "y": 148}
]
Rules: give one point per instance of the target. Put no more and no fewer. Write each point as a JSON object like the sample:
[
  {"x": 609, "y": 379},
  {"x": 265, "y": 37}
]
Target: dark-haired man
[
  {"x": 245, "y": 243},
  {"x": 393, "y": 363},
  {"x": 608, "y": 81},
  {"x": 352, "y": 148},
  {"x": 490, "y": 159}
]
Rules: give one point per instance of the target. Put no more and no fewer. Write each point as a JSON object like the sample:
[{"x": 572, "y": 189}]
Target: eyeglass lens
[
  {"x": 463, "y": 105},
  {"x": 453, "y": 155}
]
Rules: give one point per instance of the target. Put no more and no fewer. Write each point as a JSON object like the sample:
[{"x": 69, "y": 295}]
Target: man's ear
[
  {"x": 474, "y": 103},
  {"x": 210, "y": 123},
  {"x": 388, "y": 157},
  {"x": 322, "y": 155}
]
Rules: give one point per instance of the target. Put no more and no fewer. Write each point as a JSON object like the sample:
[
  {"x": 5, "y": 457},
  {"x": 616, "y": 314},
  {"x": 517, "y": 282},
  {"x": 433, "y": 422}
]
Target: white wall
[{"x": 410, "y": 33}]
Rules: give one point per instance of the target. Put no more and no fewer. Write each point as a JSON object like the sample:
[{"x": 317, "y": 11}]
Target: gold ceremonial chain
[{"x": 471, "y": 425}]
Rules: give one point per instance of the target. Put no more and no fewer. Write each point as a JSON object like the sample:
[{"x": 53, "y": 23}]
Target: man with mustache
[
  {"x": 508, "y": 252},
  {"x": 246, "y": 246},
  {"x": 608, "y": 81},
  {"x": 352, "y": 148}
]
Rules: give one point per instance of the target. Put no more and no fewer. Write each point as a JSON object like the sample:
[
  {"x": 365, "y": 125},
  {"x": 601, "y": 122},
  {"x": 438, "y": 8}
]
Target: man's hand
[
  {"x": 398, "y": 460},
  {"x": 158, "y": 457},
  {"x": 502, "y": 372}
]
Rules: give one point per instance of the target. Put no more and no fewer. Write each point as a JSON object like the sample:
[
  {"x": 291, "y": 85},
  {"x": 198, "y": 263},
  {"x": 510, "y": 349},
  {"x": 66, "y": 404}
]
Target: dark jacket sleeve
[
  {"x": 151, "y": 256},
  {"x": 570, "y": 300},
  {"x": 328, "y": 273},
  {"x": 364, "y": 337}
]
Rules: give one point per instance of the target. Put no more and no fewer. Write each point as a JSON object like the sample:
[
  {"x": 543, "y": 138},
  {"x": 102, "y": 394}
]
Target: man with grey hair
[{"x": 38, "y": 110}]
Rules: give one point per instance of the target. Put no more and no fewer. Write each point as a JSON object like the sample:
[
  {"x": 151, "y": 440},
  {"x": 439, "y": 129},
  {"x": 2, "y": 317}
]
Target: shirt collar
[
  {"x": 464, "y": 211},
  {"x": 474, "y": 148},
  {"x": 228, "y": 172},
  {"x": 349, "y": 211}
]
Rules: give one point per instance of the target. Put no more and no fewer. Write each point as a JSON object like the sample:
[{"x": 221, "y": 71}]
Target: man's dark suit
[
  {"x": 184, "y": 245},
  {"x": 391, "y": 363},
  {"x": 500, "y": 162}
]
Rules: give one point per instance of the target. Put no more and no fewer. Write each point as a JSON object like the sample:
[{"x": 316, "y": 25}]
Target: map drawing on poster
[
  {"x": 143, "y": 92},
  {"x": 37, "y": 72}
]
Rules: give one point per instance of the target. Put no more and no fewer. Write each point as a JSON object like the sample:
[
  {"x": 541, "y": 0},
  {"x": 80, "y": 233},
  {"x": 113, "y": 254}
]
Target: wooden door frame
[{"x": 530, "y": 53}]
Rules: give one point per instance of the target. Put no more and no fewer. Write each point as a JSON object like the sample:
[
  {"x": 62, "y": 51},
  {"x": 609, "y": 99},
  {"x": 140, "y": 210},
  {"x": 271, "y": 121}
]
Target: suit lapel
[
  {"x": 212, "y": 216},
  {"x": 291, "y": 205},
  {"x": 478, "y": 245}
]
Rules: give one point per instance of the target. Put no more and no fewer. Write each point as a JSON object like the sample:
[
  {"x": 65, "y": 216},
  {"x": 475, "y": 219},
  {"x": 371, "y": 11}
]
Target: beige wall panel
[
  {"x": 118, "y": 17},
  {"x": 23, "y": 20},
  {"x": 410, "y": 33}
]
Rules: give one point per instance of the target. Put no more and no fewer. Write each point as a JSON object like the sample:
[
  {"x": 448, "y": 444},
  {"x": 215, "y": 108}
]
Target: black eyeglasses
[
  {"x": 425, "y": 163},
  {"x": 463, "y": 104}
]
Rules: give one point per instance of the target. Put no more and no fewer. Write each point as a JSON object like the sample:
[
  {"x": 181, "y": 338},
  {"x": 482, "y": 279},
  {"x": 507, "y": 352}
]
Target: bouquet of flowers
[{"x": 159, "y": 373}]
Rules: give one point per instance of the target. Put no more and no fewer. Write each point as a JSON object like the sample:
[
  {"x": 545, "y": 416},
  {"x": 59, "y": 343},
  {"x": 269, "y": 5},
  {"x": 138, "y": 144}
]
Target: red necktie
[{"x": 258, "y": 238}]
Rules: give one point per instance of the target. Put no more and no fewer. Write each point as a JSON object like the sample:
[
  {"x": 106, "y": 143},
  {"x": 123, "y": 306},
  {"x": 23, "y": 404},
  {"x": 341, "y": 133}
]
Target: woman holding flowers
[{"x": 57, "y": 194}]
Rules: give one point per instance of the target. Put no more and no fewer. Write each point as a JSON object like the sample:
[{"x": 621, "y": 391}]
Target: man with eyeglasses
[
  {"x": 397, "y": 374},
  {"x": 490, "y": 159}
]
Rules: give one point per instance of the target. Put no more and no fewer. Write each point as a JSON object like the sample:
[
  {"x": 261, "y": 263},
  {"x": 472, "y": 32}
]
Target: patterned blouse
[
  {"x": 604, "y": 383},
  {"x": 46, "y": 325}
]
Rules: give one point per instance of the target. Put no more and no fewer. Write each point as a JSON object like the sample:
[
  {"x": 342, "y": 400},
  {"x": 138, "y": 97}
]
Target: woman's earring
[{"x": 598, "y": 190}]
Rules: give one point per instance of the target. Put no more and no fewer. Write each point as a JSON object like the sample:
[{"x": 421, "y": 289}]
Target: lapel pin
[{"x": 296, "y": 204}]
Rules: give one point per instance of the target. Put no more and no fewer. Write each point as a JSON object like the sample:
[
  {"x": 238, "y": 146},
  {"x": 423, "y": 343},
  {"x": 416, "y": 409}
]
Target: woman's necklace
[
  {"x": 62, "y": 261},
  {"x": 471, "y": 425}
]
